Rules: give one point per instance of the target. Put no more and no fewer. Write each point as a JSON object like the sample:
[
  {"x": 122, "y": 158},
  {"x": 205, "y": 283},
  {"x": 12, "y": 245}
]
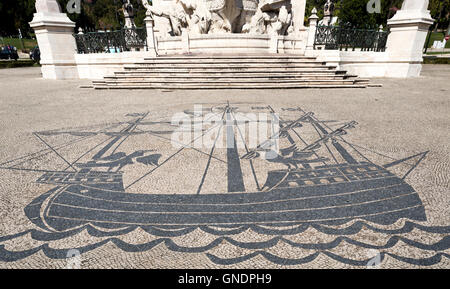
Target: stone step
[
  {"x": 228, "y": 70},
  {"x": 267, "y": 71},
  {"x": 229, "y": 78},
  {"x": 230, "y": 61},
  {"x": 229, "y": 86},
  {"x": 225, "y": 66},
  {"x": 234, "y": 56},
  {"x": 229, "y": 81},
  {"x": 226, "y": 82},
  {"x": 221, "y": 73}
]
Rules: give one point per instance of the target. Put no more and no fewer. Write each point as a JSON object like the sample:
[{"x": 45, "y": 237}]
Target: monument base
[
  {"x": 232, "y": 43},
  {"x": 54, "y": 34},
  {"x": 409, "y": 30},
  {"x": 52, "y": 71}
]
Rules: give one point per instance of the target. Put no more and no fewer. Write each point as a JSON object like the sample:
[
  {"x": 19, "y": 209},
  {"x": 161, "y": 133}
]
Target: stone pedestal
[
  {"x": 409, "y": 29},
  {"x": 273, "y": 44},
  {"x": 54, "y": 34},
  {"x": 185, "y": 41}
]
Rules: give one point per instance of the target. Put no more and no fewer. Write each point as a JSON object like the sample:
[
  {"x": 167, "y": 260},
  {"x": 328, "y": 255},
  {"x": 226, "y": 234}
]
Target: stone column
[
  {"x": 185, "y": 41},
  {"x": 298, "y": 15},
  {"x": 273, "y": 43},
  {"x": 54, "y": 34},
  {"x": 312, "y": 29},
  {"x": 149, "y": 26},
  {"x": 409, "y": 29}
]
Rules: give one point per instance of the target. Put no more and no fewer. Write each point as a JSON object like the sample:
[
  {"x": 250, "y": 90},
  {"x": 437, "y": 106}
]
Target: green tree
[
  {"x": 15, "y": 15},
  {"x": 95, "y": 14},
  {"x": 107, "y": 14},
  {"x": 355, "y": 12},
  {"x": 104, "y": 14},
  {"x": 440, "y": 11}
]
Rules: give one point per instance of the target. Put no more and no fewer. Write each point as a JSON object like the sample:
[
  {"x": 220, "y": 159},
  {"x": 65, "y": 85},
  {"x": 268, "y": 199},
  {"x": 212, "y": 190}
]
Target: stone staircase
[{"x": 230, "y": 72}]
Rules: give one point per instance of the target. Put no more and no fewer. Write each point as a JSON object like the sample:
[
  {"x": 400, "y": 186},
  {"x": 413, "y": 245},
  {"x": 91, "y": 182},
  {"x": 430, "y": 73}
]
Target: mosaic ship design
[{"x": 323, "y": 180}]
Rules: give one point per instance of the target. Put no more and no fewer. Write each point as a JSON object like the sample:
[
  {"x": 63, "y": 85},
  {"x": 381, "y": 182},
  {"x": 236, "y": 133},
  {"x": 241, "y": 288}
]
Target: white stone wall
[
  {"x": 98, "y": 65},
  {"x": 362, "y": 63},
  {"x": 368, "y": 63},
  {"x": 54, "y": 36},
  {"x": 232, "y": 43}
]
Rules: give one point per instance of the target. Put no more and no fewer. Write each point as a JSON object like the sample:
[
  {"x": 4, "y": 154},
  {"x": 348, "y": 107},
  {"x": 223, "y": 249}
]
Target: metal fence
[
  {"x": 116, "y": 41},
  {"x": 345, "y": 37}
]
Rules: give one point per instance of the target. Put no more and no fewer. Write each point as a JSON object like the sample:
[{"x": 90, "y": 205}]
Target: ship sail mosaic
[{"x": 131, "y": 177}]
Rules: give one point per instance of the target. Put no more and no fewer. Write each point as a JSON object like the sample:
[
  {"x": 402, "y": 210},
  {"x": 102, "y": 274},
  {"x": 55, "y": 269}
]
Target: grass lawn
[
  {"x": 437, "y": 36},
  {"x": 27, "y": 43}
]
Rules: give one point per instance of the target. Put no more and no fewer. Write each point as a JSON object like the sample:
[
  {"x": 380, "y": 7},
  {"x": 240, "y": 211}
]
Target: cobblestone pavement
[{"x": 95, "y": 171}]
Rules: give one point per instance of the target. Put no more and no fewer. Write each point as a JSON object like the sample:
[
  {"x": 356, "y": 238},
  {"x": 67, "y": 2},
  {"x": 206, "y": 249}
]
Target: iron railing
[
  {"x": 345, "y": 37},
  {"x": 115, "y": 41}
]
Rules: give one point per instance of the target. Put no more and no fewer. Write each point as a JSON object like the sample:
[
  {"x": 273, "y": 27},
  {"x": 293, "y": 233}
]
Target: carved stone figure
[
  {"x": 176, "y": 17},
  {"x": 328, "y": 11},
  {"x": 189, "y": 14},
  {"x": 47, "y": 6},
  {"x": 272, "y": 17},
  {"x": 230, "y": 15},
  {"x": 200, "y": 20},
  {"x": 128, "y": 13},
  {"x": 257, "y": 23},
  {"x": 280, "y": 22},
  {"x": 249, "y": 8},
  {"x": 415, "y": 5},
  {"x": 222, "y": 16}
]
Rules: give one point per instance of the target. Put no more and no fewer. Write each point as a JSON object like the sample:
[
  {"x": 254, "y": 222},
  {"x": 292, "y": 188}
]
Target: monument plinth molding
[{"x": 409, "y": 29}]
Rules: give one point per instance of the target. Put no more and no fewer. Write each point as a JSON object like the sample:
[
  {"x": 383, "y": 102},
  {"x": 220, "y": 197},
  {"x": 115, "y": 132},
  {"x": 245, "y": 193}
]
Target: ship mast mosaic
[{"x": 314, "y": 178}]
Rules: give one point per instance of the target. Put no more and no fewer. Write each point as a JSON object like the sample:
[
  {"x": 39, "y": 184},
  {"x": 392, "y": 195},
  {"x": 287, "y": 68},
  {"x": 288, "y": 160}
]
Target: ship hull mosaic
[
  {"x": 380, "y": 197},
  {"x": 317, "y": 179}
]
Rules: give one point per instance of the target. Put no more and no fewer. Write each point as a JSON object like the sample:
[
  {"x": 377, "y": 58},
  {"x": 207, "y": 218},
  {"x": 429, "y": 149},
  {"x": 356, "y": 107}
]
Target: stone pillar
[
  {"x": 273, "y": 43},
  {"x": 312, "y": 29},
  {"x": 409, "y": 29},
  {"x": 54, "y": 34},
  {"x": 185, "y": 40},
  {"x": 149, "y": 26},
  {"x": 298, "y": 15}
]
